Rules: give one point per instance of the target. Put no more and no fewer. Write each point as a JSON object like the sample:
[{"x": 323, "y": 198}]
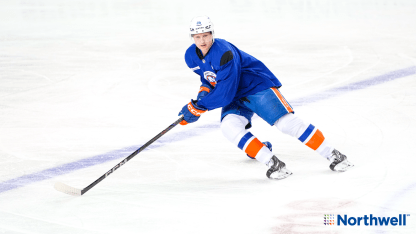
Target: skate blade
[
  {"x": 282, "y": 174},
  {"x": 343, "y": 166}
]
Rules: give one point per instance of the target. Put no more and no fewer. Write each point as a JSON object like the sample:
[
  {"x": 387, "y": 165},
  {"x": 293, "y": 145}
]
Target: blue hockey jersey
[{"x": 231, "y": 73}]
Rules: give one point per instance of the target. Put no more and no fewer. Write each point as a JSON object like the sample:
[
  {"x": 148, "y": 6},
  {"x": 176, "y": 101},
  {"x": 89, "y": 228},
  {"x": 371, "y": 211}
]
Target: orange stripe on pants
[
  {"x": 254, "y": 147},
  {"x": 282, "y": 100},
  {"x": 316, "y": 140}
]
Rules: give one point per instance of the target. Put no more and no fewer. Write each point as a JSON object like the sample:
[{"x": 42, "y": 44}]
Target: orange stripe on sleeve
[
  {"x": 316, "y": 140},
  {"x": 254, "y": 147},
  {"x": 203, "y": 88}
]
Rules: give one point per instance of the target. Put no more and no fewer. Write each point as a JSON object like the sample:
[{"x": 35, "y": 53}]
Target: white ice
[{"x": 82, "y": 82}]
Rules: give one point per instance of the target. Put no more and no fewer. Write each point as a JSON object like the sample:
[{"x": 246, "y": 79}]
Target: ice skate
[
  {"x": 277, "y": 169},
  {"x": 339, "y": 162}
]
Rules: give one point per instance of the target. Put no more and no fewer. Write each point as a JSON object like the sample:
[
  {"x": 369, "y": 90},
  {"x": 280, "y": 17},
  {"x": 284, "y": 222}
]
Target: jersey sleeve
[
  {"x": 190, "y": 63},
  {"x": 203, "y": 81},
  {"x": 227, "y": 83},
  {"x": 194, "y": 67}
]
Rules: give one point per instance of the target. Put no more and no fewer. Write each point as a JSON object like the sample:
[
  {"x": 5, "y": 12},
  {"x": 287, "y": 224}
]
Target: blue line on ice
[
  {"x": 122, "y": 153},
  {"x": 330, "y": 93}
]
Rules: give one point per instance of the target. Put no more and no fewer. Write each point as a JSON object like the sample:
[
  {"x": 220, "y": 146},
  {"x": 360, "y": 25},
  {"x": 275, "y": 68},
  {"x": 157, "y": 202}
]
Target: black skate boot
[
  {"x": 339, "y": 162},
  {"x": 277, "y": 169}
]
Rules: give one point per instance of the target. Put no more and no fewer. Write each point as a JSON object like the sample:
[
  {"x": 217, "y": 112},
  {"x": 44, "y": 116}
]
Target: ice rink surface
[{"x": 83, "y": 84}]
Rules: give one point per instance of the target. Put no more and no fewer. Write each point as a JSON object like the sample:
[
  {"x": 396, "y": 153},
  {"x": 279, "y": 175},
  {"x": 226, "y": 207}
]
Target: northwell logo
[{"x": 329, "y": 219}]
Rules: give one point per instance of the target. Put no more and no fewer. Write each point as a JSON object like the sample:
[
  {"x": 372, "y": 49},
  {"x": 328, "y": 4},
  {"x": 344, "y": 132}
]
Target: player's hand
[{"x": 191, "y": 112}]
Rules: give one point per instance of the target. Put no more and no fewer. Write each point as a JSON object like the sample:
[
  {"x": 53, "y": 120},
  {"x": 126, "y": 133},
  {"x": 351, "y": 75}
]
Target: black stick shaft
[{"x": 131, "y": 156}]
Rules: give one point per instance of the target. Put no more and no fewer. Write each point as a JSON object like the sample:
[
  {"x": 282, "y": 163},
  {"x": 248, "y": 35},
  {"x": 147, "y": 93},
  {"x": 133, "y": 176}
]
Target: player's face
[{"x": 203, "y": 41}]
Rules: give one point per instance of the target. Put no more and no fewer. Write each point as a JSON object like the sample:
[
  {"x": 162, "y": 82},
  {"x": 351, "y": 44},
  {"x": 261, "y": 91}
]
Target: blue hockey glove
[
  {"x": 191, "y": 112},
  {"x": 203, "y": 91}
]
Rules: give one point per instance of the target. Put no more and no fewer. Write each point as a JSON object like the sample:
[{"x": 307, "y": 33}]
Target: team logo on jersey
[{"x": 210, "y": 77}]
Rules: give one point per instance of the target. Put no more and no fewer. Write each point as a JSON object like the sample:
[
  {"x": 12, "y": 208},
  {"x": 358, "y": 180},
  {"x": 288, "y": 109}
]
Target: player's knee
[
  {"x": 291, "y": 125},
  {"x": 233, "y": 127}
]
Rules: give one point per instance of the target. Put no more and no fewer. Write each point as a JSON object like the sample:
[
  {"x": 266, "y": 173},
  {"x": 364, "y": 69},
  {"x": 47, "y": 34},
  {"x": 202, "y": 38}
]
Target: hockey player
[{"x": 242, "y": 85}]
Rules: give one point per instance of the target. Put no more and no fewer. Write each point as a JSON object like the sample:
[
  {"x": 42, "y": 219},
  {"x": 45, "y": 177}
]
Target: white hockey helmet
[{"x": 201, "y": 24}]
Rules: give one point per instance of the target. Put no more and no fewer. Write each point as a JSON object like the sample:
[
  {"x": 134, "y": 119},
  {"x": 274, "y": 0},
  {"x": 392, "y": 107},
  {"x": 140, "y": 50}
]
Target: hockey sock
[
  {"x": 233, "y": 128},
  {"x": 305, "y": 133},
  {"x": 254, "y": 148}
]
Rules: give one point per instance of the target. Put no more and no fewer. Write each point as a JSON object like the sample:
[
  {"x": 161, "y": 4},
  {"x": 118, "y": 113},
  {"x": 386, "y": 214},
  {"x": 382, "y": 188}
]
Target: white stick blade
[{"x": 67, "y": 189}]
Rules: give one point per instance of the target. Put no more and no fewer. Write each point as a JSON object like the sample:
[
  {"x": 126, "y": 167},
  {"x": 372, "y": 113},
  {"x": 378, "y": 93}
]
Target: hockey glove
[
  {"x": 203, "y": 91},
  {"x": 191, "y": 112}
]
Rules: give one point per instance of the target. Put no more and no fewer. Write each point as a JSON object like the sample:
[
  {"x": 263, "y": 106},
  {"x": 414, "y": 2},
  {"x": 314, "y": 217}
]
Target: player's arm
[
  {"x": 227, "y": 84},
  {"x": 221, "y": 95},
  {"x": 204, "y": 90}
]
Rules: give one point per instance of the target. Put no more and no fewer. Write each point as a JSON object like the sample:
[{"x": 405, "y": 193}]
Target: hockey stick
[{"x": 78, "y": 192}]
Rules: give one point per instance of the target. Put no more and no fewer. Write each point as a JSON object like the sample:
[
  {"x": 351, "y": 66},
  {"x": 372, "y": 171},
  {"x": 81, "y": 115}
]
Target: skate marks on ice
[
  {"x": 98, "y": 159},
  {"x": 404, "y": 197},
  {"x": 117, "y": 154}
]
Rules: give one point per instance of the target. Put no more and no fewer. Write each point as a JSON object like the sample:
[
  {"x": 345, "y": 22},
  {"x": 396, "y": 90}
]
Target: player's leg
[
  {"x": 275, "y": 110},
  {"x": 236, "y": 119},
  {"x": 307, "y": 133},
  {"x": 312, "y": 137},
  {"x": 233, "y": 128}
]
